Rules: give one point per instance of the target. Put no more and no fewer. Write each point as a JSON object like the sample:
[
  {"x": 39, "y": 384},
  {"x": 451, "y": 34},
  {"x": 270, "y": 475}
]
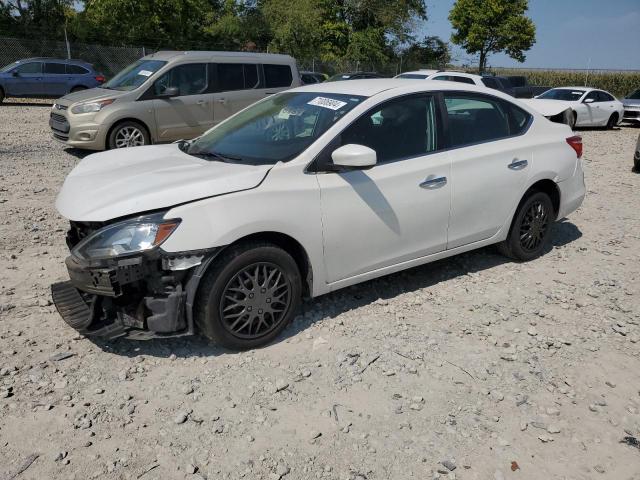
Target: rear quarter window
[
  {"x": 76, "y": 70},
  {"x": 277, "y": 75}
]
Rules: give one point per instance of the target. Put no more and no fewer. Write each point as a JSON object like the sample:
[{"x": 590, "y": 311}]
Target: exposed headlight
[
  {"x": 127, "y": 237},
  {"x": 91, "y": 107}
]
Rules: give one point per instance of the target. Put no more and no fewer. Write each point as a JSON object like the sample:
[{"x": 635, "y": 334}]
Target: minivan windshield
[
  {"x": 562, "y": 94},
  {"x": 134, "y": 75},
  {"x": 274, "y": 130}
]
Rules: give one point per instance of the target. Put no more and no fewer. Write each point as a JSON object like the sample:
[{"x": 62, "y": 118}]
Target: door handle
[
  {"x": 433, "y": 183},
  {"x": 518, "y": 164},
  {"x": 222, "y": 101},
  {"x": 201, "y": 102}
]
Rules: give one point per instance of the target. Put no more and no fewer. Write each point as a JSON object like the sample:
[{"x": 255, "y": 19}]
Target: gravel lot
[{"x": 468, "y": 368}]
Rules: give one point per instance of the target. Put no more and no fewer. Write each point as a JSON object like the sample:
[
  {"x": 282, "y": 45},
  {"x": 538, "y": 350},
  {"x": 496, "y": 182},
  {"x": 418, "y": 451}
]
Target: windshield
[
  {"x": 276, "y": 129},
  {"x": 562, "y": 94},
  {"x": 6, "y": 68},
  {"x": 134, "y": 75},
  {"x": 634, "y": 95},
  {"x": 413, "y": 76}
]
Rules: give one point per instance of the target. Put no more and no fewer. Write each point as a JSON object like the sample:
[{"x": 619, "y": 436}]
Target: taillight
[
  {"x": 575, "y": 142},
  {"x": 100, "y": 78}
]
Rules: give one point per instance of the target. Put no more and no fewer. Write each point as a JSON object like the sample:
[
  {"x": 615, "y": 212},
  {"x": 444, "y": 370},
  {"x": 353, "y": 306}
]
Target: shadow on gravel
[
  {"x": 26, "y": 104},
  {"x": 333, "y": 304},
  {"x": 78, "y": 152}
]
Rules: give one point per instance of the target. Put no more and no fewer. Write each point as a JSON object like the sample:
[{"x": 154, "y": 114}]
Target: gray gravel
[{"x": 467, "y": 368}]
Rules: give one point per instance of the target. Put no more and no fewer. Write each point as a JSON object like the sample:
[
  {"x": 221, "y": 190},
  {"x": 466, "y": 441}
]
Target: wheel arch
[{"x": 122, "y": 120}]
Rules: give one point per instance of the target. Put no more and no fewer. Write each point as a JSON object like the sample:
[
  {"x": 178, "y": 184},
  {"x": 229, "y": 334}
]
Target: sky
[{"x": 596, "y": 34}]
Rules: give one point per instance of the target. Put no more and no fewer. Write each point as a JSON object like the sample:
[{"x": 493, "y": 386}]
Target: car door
[
  {"x": 236, "y": 87},
  {"x": 490, "y": 160},
  {"x": 607, "y": 105},
  {"x": 27, "y": 79},
  {"x": 188, "y": 114},
  {"x": 592, "y": 113},
  {"x": 399, "y": 209},
  {"x": 54, "y": 79}
]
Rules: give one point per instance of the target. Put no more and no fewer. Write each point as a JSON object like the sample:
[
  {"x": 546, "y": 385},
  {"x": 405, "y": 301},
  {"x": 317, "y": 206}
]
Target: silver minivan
[{"x": 169, "y": 96}]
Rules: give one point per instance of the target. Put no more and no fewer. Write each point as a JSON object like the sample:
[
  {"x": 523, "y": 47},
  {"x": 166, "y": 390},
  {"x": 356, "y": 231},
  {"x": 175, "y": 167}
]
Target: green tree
[
  {"x": 35, "y": 18},
  {"x": 432, "y": 51},
  {"x": 483, "y": 27}
]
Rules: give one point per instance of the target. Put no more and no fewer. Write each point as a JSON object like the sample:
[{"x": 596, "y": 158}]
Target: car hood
[
  {"x": 631, "y": 102},
  {"x": 548, "y": 108},
  {"x": 90, "y": 94},
  {"x": 117, "y": 183}
]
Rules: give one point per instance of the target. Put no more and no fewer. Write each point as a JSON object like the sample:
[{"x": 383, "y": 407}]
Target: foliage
[
  {"x": 430, "y": 52},
  {"x": 484, "y": 27}
]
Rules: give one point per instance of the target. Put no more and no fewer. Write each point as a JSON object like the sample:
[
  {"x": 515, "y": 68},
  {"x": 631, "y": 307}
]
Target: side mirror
[
  {"x": 588, "y": 100},
  {"x": 354, "y": 156},
  {"x": 170, "y": 92}
]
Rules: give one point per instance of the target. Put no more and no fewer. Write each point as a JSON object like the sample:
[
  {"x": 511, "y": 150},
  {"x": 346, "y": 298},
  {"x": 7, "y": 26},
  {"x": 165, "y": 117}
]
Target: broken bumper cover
[{"x": 133, "y": 297}]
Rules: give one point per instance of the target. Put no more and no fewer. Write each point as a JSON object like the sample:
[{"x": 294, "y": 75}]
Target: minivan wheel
[
  {"x": 128, "y": 134},
  {"x": 531, "y": 228},
  {"x": 613, "y": 121},
  {"x": 248, "y": 296}
]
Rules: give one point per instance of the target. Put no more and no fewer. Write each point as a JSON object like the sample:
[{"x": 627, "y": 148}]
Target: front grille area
[
  {"x": 58, "y": 118},
  {"x": 631, "y": 114}
]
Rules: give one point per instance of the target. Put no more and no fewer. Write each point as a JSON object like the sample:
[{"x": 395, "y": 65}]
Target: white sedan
[
  {"x": 587, "y": 107},
  {"x": 305, "y": 192}
]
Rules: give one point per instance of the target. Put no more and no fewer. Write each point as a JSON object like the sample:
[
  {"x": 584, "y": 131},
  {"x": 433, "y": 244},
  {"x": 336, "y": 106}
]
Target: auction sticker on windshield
[
  {"x": 145, "y": 73},
  {"x": 329, "y": 103}
]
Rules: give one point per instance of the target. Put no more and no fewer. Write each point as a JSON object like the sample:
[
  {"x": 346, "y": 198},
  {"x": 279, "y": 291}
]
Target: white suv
[{"x": 302, "y": 193}]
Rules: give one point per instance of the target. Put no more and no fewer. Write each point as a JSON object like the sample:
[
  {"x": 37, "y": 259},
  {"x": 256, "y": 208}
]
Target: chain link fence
[{"x": 106, "y": 60}]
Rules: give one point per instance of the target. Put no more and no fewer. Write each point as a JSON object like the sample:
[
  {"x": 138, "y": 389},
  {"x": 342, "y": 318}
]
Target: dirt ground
[{"x": 468, "y": 368}]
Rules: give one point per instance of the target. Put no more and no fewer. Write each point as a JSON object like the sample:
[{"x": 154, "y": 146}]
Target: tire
[
  {"x": 574, "y": 119},
  {"x": 128, "y": 134},
  {"x": 254, "y": 276},
  {"x": 613, "y": 121},
  {"x": 636, "y": 165},
  {"x": 78, "y": 88},
  {"x": 536, "y": 210},
  {"x": 1, "y": 95}
]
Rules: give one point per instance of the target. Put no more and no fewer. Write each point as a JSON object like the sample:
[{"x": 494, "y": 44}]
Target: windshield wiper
[{"x": 215, "y": 156}]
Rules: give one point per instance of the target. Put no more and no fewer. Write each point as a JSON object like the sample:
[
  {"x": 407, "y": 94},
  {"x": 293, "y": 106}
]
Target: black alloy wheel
[
  {"x": 530, "y": 229},
  {"x": 248, "y": 295},
  {"x": 255, "y": 300}
]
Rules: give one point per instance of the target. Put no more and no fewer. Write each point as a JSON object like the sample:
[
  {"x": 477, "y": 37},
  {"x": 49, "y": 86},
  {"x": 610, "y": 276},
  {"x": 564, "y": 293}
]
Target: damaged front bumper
[{"x": 143, "y": 296}]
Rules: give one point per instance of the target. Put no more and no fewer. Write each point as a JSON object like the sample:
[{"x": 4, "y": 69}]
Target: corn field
[{"x": 618, "y": 83}]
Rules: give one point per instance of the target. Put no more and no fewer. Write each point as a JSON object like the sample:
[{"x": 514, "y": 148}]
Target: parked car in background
[
  {"x": 632, "y": 107},
  {"x": 417, "y": 74},
  {"x": 636, "y": 156},
  {"x": 498, "y": 83},
  {"x": 354, "y": 76},
  {"x": 589, "y": 107},
  {"x": 309, "y": 78},
  {"x": 47, "y": 78},
  {"x": 523, "y": 89},
  {"x": 169, "y": 96},
  {"x": 225, "y": 234},
  {"x": 472, "y": 79}
]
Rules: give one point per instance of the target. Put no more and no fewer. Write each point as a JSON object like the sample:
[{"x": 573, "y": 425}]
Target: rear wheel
[
  {"x": 248, "y": 296},
  {"x": 78, "y": 88},
  {"x": 613, "y": 121},
  {"x": 128, "y": 134},
  {"x": 1, "y": 95},
  {"x": 531, "y": 228}
]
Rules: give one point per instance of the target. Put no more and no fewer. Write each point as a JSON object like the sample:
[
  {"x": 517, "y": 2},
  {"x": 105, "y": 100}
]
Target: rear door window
[
  {"x": 479, "y": 118},
  {"x": 276, "y": 76},
  {"x": 190, "y": 79},
  {"x": 237, "y": 76},
  {"x": 76, "y": 70},
  {"x": 54, "y": 68}
]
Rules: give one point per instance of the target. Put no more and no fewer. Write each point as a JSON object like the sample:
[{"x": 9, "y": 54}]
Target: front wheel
[
  {"x": 531, "y": 228},
  {"x": 248, "y": 296},
  {"x": 128, "y": 134}
]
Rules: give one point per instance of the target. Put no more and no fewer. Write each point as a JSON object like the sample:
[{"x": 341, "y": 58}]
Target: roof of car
[
  {"x": 586, "y": 89},
  {"x": 52, "y": 59},
  {"x": 459, "y": 74},
  {"x": 424, "y": 71},
  {"x": 200, "y": 54},
  {"x": 374, "y": 86}
]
